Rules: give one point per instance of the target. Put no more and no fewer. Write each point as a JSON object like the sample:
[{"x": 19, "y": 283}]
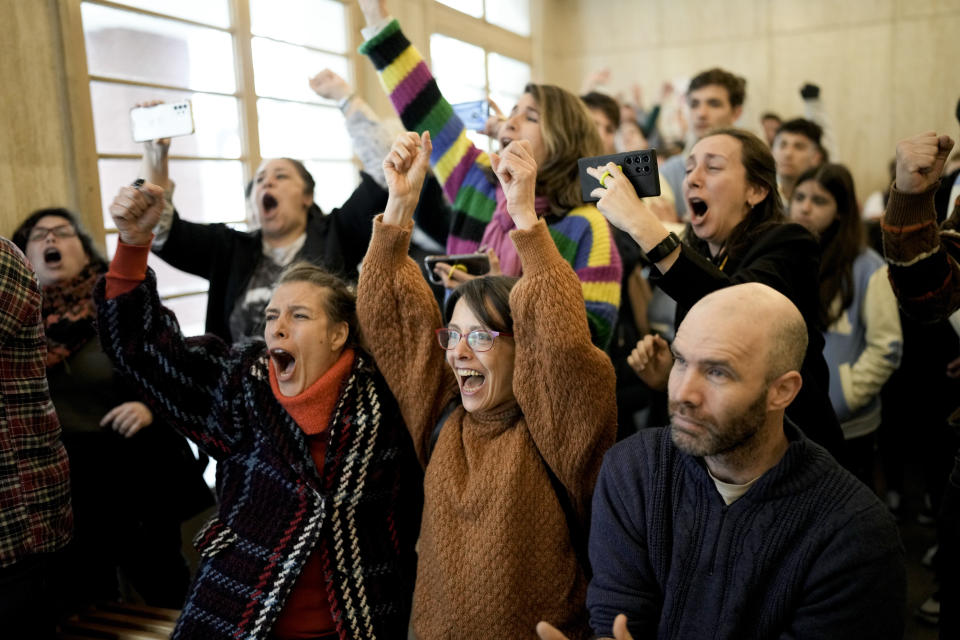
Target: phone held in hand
[
  {"x": 640, "y": 167},
  {"x": 476, "y": 264},
  {"x": 474, "y": 114},
  {"x": 167, "y": 120}
]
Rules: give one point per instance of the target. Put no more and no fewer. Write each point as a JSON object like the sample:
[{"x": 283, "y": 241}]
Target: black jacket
[
  {"x": 787, "y": 258},
  {"x": 227, "y": 258}
]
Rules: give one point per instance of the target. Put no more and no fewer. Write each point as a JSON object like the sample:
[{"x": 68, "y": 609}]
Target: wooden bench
[{"x": 115, "y": 621}]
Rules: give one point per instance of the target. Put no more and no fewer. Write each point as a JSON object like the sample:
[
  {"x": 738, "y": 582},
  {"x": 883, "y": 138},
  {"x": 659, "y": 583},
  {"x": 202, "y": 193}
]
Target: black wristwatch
[{"x": 663, "y": 249}]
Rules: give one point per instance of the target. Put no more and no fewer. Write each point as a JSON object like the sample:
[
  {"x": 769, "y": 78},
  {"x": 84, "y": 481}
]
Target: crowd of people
[{"x": 670, "y": 416}]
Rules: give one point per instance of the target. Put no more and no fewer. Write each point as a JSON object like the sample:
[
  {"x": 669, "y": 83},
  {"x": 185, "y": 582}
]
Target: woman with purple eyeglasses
[{"x": 510, "y": 407}]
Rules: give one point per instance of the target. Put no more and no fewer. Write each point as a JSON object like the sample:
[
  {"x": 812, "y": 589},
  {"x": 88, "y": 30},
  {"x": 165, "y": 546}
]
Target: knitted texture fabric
[
  {"x": 582, "y": 235},
  {"x": 495, "y": 552},
  {"x": 807, "y": 552},
  {"x": 361, "y": 511},
  {"x": 922, "y": 258}
]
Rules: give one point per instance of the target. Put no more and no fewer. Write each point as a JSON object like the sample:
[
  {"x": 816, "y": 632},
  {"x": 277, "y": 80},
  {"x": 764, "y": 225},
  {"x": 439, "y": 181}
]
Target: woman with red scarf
[{"x": 132, "y": 484}]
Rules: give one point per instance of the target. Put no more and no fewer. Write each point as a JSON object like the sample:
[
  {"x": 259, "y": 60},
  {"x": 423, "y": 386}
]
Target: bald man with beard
[{"x": 730, "y": 523}]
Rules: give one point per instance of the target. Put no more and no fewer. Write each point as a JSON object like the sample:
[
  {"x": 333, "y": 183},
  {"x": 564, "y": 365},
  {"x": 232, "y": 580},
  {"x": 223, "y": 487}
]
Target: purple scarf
[{"x": 497, "y": 234}]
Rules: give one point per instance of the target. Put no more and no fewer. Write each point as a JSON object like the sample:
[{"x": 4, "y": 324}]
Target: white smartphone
[{"x": 166, "y": 120}]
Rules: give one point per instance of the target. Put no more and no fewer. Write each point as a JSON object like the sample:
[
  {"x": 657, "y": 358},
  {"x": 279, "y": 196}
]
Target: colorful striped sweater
[{"x": 582, "y": 235}]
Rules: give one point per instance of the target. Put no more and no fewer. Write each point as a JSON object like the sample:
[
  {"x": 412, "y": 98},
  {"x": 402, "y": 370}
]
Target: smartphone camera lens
[
  {"x": 646, "y": 169},
  {"x": 629, "y": 160},
  {"x": 645, "y": 158}
]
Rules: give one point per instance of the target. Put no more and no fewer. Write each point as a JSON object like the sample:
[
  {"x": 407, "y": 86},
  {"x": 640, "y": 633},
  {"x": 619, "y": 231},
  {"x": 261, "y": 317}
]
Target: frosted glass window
[
  {"x": 302, "y": 131},
  {"x": 212, "y": 12},
  {"x": 170, "y": 281},
  {"x": 206, "y": 190},
  {"x": 470, "y": 7},
  {"x": 507, "y": 75},
  {"x": 315, "y": 23},
  {"x": 129, "y": 46},
  {"x": 512, "y": 15},
  {"x": 335, "y": 181},
  {"x": 216, "y": 119},
  {"x": 283, "y": 70},
  {"x": 459, "y": 68}
]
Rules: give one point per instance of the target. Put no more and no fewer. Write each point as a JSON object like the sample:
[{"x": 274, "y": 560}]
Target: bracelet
[
  {"x": 345, "y": 101},
  {"x": 662, "y": 250}
]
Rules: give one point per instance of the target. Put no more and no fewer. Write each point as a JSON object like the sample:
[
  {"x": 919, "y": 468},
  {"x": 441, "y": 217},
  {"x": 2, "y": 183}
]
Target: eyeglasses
[
  {"x": 479, "y": 339},
  {"x": 60, "y": 231}
]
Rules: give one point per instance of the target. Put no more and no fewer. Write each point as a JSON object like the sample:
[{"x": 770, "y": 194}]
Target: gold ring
[
  {"x": 457, "y": 267},
  {"x": 604, "y": 177}
]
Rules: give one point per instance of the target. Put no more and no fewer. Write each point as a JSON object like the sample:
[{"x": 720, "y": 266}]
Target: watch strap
[{"x": 662, "y": 250}]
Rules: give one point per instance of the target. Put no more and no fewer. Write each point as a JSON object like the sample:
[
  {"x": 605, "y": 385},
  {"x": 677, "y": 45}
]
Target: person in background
[
  {"x": 863, "y": 339},
  {"x": 730, "y": 522},
  {"x": 926, "y": 278},
  {"x": 560, "y": 130},
  {"x": 770, "y": 122},
  {"x": 796, "y": 149},
  {"x": 132, "y": 482},
  {"x": 35, "y": 517},
  {"x": 715, "y": 99},
  {"x": 319, "y": 492},
  {"x": 510, "y": 414},
  {"x": 736, "y": 234}
]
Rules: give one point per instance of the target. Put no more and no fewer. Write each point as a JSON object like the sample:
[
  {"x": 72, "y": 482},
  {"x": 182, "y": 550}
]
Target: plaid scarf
[{"x": 69, "y": 314}]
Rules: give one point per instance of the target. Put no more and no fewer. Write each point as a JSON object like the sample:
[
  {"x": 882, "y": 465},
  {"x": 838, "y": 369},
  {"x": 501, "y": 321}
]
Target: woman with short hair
[{"x": 510, "y": 414}]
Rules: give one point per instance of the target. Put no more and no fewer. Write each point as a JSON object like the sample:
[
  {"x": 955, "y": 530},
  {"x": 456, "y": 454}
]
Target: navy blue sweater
[{"x": 807, "y": 552}]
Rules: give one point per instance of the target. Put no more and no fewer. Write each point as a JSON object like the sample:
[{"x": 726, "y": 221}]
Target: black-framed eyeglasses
[
  {"x": 479, "y": 340},
  {"x": 60, "y": 231}
]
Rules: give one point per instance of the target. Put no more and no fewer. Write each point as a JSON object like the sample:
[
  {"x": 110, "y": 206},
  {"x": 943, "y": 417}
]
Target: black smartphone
[
  {"x": 476, "y": 264},
  {"x": 640, "y": 167}
]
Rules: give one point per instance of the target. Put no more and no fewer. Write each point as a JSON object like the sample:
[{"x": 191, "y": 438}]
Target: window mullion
[{"x": 243, "y": 53}]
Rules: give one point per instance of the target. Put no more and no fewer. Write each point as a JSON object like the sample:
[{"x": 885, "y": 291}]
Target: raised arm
[
  {"x": 563, "y": 384},
  {"x": 395, "y": 306},
  {"x": 461, "y": 168},
  {"x": 923, "y": 259},
  {"x": 176, "y": 377}
]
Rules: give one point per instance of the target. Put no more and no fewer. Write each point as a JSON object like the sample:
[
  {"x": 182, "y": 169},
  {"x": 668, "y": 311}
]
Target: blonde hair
[{"x": 568, "y": 133}]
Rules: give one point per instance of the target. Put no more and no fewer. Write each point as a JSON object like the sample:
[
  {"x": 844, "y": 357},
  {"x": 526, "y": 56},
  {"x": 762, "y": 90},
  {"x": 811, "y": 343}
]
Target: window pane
[
  {"x": 216, "y": 119},
  {"x": 283, "y": 70},
  {"x": 335, "y": 182},
  {"x": 459, "y": 68},
  {"x": 191, "y": 312},
  {"x": 316, "y": 23},
  {"x": 213, "y": 12},
  {"x": 507, "y": 76},
  {"x": 170, "y": 281},
  {"x": 470, "y": 7},
  {"x": 513, "y": 15},
  {"x": 206, "y": 190},
  {"x": 301, "y": 131},
  {"x": 126, "y": 45}
]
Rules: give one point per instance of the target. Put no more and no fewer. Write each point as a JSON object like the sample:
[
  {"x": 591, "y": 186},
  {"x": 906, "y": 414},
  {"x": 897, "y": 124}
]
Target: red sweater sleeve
[{"x": 127, "y": 269}]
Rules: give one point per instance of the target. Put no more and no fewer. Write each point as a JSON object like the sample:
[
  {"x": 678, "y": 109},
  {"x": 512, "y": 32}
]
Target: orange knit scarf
[{"x": 313, "y": 407}]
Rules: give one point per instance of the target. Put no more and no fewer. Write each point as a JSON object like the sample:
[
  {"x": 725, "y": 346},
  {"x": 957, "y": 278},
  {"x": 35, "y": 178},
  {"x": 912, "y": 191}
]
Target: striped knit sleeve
[
  {"x": 587, "y": 244},
  {"x": 177, "y": 377},
  {"x": 461, "y": 168},
  {"x": 922, "y": 258}
]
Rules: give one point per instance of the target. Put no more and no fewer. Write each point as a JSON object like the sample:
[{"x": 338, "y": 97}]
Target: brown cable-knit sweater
[{"x": 495, "y": 553}]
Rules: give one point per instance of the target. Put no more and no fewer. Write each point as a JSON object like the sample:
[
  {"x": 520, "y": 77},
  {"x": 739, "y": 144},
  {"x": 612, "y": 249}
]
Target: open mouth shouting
[
  {"x": 698, "y": 210},
  {"x": 268, "y": 204},
  {"x": 284, "y": 364},
  {"x": 52, "y": 257},
  {"x": 471, "y": 381}
]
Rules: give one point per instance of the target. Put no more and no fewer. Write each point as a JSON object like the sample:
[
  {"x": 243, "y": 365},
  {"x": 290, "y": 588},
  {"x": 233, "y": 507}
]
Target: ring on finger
[{"x": 604, "y": 177}]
